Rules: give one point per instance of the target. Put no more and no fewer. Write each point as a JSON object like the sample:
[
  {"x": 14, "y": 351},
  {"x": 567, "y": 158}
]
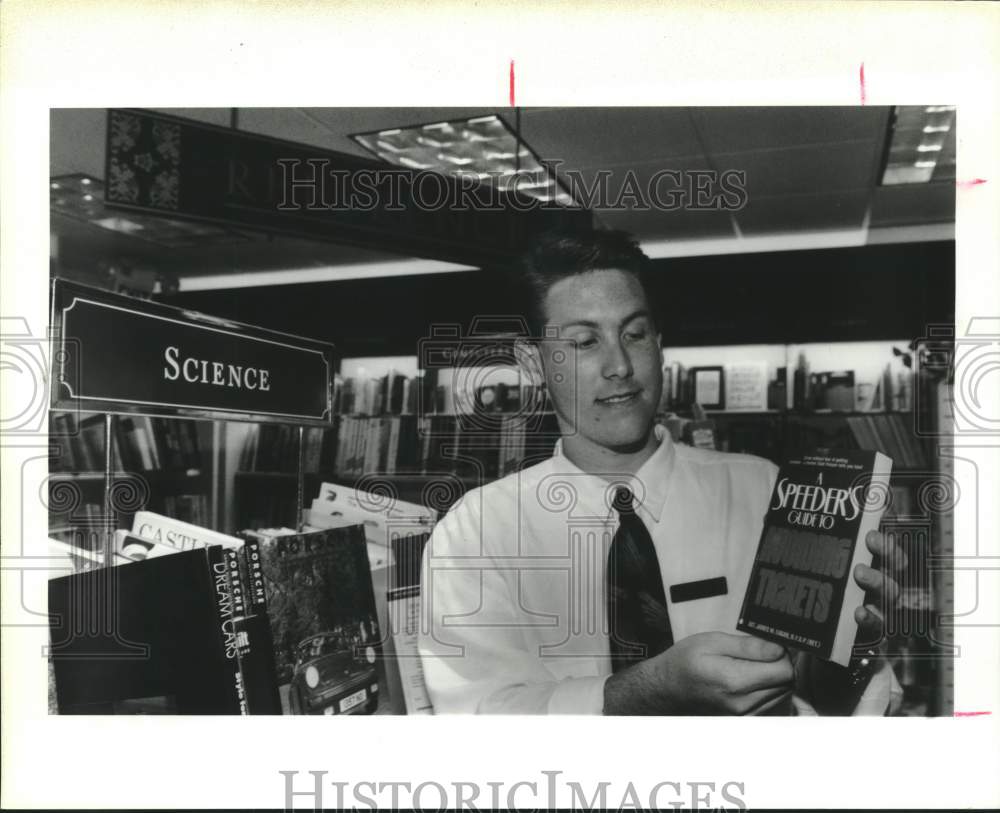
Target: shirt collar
[{"x": 650, "y": 484}]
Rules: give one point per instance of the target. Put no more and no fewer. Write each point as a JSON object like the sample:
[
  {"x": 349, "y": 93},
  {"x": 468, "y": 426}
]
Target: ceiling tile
[
  {"x": 220, "y": 116},
  {"x": 835, "y": 210},
  {"x": 739, "y": 129},
  {"x": 606, "y": 136},
  {"x": 289, "y": 124},
  {"x": 913, "y": 203},
  {"x": 658, "y": 225},
  {"x": 76, "y": 141},
  {"x": 834, "y": 167}
]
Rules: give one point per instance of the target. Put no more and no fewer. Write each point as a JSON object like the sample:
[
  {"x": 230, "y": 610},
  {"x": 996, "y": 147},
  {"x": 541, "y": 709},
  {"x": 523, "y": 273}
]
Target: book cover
[
  {"x": 324, "y": 622},
  {"x": 801, "y": 591},
  {"x": 183, "y": 535},
  {"x": 167, "y": 654}
]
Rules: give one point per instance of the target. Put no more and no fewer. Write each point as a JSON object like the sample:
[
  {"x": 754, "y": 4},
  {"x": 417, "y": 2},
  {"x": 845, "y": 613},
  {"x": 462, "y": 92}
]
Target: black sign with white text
[{"x": 119, "y": 354}]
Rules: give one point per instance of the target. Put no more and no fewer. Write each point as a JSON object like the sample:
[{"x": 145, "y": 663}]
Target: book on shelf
[
  {"x": 141, "y": 443},
  {"x": 275, "y": 447},
  {"x": 889, "y": 433},
  {"x": 483, "y": 446},
  {"x": 801, "y": 591},
  {"x": 324, "y": 622},
  {"x": 81, "y": 442}
]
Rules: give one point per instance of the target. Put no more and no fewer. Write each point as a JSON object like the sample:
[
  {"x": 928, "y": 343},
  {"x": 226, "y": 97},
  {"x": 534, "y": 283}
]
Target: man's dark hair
[{"x": 555, "y": 256}]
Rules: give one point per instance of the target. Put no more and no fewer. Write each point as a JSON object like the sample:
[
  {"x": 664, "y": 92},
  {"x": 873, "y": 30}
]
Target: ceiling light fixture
[
  {"x": 483, "y": 147},
  {"x": 326, "y": 273},
  {"x": 921, "y": 145}
]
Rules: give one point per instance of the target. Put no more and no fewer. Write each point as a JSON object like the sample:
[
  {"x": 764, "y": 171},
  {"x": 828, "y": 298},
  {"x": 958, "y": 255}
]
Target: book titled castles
[{"x": 802, "y": 591}]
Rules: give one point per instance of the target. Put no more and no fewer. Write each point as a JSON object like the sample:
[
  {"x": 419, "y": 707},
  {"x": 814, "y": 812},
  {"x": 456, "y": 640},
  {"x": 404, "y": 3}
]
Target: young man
[{"x": 547, "y": 591}]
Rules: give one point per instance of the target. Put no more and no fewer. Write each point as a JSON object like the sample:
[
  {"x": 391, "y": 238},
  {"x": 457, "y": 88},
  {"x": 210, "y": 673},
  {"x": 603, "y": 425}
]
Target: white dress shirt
[{"x": 513, "y": 585}]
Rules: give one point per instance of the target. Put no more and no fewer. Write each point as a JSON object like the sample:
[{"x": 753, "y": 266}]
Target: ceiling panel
[
  {"x": 219, "y": 116},
  {"x": 835, "y": 167},
  {"x": 835, "y": 210},
  {"x": 609, "y": 136},
  {"x": 733, "y": 129},
  {"x": 619, "y": 179},
  {"x": 659, "y": 225},
  {"x": 76, "y": 142},
  {"x": 913, "y": 203},
  {"x": 291, "y": 124}
]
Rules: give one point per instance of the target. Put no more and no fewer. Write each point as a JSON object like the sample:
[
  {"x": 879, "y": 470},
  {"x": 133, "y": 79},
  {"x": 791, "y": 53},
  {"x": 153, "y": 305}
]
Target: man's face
[{"x": 604, "y": 371}]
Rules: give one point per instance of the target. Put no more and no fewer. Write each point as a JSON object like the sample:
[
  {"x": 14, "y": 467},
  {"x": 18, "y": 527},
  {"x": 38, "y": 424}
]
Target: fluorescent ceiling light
[
  {"x": 921, "y": 145},
  {"x": 797, "y": 241},
  {"x": 482, "y": 147},
  {"x": 325, "y": 273}
]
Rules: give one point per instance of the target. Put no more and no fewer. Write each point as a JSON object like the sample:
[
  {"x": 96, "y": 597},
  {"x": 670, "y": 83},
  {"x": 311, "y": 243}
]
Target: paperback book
[{"x": 802, "y": 592}]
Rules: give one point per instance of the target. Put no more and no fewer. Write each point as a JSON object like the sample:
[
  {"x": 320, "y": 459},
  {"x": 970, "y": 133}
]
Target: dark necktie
[{"x": 637, "y": 606}]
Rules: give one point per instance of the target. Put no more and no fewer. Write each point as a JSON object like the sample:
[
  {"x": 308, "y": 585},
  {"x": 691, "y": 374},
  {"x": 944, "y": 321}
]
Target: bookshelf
[{"x": 159, "y": 464}]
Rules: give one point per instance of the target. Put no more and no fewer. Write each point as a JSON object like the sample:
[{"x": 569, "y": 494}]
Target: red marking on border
[
  {"x": 512, "y": 83},
  {"x": 861, "y": 74},
  {"x": 970, "y": 183},
  {"x": 970, "y": 713}
]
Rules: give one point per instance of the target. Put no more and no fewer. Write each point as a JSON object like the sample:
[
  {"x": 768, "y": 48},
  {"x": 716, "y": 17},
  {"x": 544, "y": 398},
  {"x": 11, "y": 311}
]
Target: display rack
[{"x": 125, "y": 361}]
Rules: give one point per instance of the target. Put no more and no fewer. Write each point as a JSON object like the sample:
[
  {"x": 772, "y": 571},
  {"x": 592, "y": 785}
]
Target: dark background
[{"x": 850, "y": 294}]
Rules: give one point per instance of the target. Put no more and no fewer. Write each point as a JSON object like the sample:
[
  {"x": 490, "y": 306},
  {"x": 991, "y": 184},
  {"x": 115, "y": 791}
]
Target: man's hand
[
  {"x": 881, "y": 590},
  {"x": 825, "y": 683},
  {"x": 708, "y": 673}
]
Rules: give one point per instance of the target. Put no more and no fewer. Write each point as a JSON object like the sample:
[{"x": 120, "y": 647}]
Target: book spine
[
  {"x": 854, "y": 596},
  {"x": 223, "y": 594},
  {"x": 254, "y": 567},
  {"x": 254, "y": 644}
]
